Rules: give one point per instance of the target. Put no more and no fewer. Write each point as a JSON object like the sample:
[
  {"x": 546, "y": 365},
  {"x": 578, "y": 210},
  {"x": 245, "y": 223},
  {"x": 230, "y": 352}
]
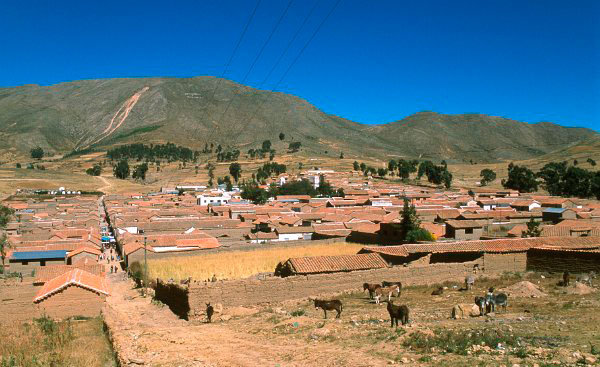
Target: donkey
[
  {"x": 438, "y": 292},
  {"x": 566, "y": 278},
  {"x": 398, "y": 313},
  {"x": 587, "y": 278},
  {"x": 334, "y": 304},
  {"x": 480, "y": 301},
  {"x": 501, "y": 299},
  {"x": 371, "y": 288},
  {"x": 387, "y": 291},
  {"x": 209, "y": 312},
  {"x": 469, "y": 281},
  {"x": 389, "y": 284}
]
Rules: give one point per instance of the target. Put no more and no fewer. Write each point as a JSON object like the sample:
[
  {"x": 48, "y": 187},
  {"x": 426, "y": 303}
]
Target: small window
[
  {"x": 469, "y": 231},
  {"x": 43, "y": 263},
  {"x": 25, "y": 263}
]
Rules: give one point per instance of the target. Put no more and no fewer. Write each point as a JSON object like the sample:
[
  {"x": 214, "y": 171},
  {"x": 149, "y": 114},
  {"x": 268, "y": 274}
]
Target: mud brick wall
[
  {"x": 174, "y": 296},
  {"x": 560, "y": 261},
  {"x": 251, "y": 292},
  {"x": 495, "y": 264},
  {"x": 72, "y": 301}
]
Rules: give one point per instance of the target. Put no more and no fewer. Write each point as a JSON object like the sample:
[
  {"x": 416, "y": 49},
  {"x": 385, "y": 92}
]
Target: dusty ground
[{"x": 557, "y": 330}]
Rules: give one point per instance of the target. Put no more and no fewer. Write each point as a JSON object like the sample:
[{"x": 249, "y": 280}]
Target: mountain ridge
[{"x": 199, "y": 110}]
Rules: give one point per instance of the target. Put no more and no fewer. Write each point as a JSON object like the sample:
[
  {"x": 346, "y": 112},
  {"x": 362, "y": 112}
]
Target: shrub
[{"x": 299, "y": 312}]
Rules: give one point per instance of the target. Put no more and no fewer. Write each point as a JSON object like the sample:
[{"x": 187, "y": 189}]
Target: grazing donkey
[
  {"x": 438, "y": 292},
  {"x": 586, "y": 278},
  {"x": 566, "y": 278},
  {"x": 481, "y": 303},
  {"x": 501, "y": 299},
  {"x": 209, "y": 312},
  {"x": 334, "y": 304},
  {"x": 469, "y": 281},
  {"x": 389, "y": 284},
  {"x": 371, "y": 288},
  {"x": 386, "y": 292},
  {"x": 398, "y": 313}
]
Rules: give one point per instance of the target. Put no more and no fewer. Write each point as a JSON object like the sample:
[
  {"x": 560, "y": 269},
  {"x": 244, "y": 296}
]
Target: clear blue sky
[{"x": 372, "y": 61}]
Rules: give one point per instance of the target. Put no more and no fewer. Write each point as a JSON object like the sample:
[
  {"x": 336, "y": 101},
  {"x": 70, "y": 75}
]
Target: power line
[
  {"x": 275, "y": 27},
  {"x": 280, "y": 58},
  {"x": 235, "y": 49},
  {"x": 300, "y": 53}
]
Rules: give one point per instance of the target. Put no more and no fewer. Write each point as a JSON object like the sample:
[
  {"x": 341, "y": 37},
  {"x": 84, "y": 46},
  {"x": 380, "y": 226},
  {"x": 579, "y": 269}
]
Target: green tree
[
  {"x": 533, "y": 229},
  {"x": 355, "y": 166},
  {"x": 139, "y": 171},
  {"x": 281, "y": 136},
  {"x": 6, "y": 215},
  {"x": 410, "y": 220},
  {"x": 251, "y": 191},
  {"x": 392, "y": 165},
  {"x": 363, "y": 167},
  {"x": 595, "y": 185},
  {"x": 591, "y": 162},
  {"x": 342, "y": 155},
  {"x": 381, "y": 172},
  {"x": 294, "y": 146},
  {"x": 235, "y": 170},
  {"x": 18, "y": 165},
  {"x": 37, "y": 153},
  {"x": 487, "y": 176},
  {"x": 121, "y": 170},
  {"x": 419, "y": 234},
  {"x": 553, "y": 174},
  {"x": 96, "y": 170},
  {"x": 520, "y": 178},
  {"x": 266, "y": 145}
]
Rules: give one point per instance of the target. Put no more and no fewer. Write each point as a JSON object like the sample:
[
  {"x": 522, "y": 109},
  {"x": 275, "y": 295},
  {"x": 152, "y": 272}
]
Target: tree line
[
  {"x": 152, "y": 152},
  {"x": 436, "y": 174},
  {"x": 558, "y": 178},
  {"x": 258, "y": 195}
]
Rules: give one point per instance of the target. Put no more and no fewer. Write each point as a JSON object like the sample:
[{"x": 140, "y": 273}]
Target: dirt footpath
[{"x": 147, "y": 334}]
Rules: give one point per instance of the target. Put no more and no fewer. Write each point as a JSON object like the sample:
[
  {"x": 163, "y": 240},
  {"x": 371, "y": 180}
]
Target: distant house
[
  {"x": 204, "y": 200},
  {"x": 556, "y": 215},
  {"x": 294, "y": 233},
  {"x": 27, "y": 261},
  {"x": 330, "y": 264},
  {"x": 83, "y": 253},
  {"x": 464, "y": 229},
  {"x": 525, "y": 205}
]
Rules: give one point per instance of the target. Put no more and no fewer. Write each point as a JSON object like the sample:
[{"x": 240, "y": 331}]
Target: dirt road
[{"x": 147, "y": 334}]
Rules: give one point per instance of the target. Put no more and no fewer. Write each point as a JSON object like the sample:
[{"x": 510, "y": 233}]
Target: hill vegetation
[{"x": 100, "y": 114}]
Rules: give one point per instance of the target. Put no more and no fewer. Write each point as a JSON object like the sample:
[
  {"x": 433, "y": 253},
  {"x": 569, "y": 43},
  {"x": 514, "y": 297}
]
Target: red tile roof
[
  {"x": 330, "y": 264},
  {"x": 76, "y": 277}
]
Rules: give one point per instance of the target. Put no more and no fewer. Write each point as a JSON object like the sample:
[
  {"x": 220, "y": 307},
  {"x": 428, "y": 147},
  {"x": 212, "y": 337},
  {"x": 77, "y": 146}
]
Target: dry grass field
[
  {"x": 78, "y": 343},
  {"x": 240, "y": 264}
]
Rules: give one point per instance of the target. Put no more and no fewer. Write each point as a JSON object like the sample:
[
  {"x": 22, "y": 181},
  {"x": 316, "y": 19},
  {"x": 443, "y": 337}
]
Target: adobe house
[
  {"x": 464, "y": 229},
  {"x": 556, "y": 215},
  {"x": 83, "y": 253},
  {"x": 27, "y": 261},
  {"x": 73, "y": 293}
]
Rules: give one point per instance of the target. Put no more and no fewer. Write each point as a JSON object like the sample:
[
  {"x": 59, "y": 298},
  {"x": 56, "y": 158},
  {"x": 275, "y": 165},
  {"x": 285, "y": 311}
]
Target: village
[{"x": 84, "y": 255}]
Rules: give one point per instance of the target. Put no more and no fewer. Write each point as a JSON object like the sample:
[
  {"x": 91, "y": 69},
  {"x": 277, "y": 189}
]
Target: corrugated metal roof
[
  {"x": 554, "y": 210},
  {"x": 330, "y": 264},
  {"x": 35, "y": 255}
]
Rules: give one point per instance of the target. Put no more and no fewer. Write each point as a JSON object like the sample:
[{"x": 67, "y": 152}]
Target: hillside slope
[{"x": 187, "y": 111}]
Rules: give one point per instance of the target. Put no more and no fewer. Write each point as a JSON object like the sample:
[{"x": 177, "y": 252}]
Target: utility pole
[{"x": 145, "y": 268}]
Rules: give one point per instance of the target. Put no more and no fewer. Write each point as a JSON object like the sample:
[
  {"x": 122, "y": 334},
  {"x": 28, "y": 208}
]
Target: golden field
[
  {"x": 49, "y": 343},
  {"x": 240, "y": 264}
]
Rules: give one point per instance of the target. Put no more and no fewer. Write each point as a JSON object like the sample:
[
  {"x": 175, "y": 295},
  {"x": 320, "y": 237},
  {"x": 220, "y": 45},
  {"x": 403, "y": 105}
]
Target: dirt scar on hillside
[{"x": 120, "y": 116}]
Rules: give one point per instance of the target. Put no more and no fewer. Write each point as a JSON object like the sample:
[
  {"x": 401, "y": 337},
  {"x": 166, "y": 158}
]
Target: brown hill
[{"x": 187, "y": 111}]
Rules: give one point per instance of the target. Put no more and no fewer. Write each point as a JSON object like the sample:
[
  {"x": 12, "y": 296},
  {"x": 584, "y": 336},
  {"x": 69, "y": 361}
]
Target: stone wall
[
  {"x": 250, "y": 292},
  {"x": 559, "y": 261},
  {"x": 246, "y": 292}
]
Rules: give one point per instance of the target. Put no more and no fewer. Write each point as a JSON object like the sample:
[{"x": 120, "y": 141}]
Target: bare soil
[{"x": 558, "y": 330}]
